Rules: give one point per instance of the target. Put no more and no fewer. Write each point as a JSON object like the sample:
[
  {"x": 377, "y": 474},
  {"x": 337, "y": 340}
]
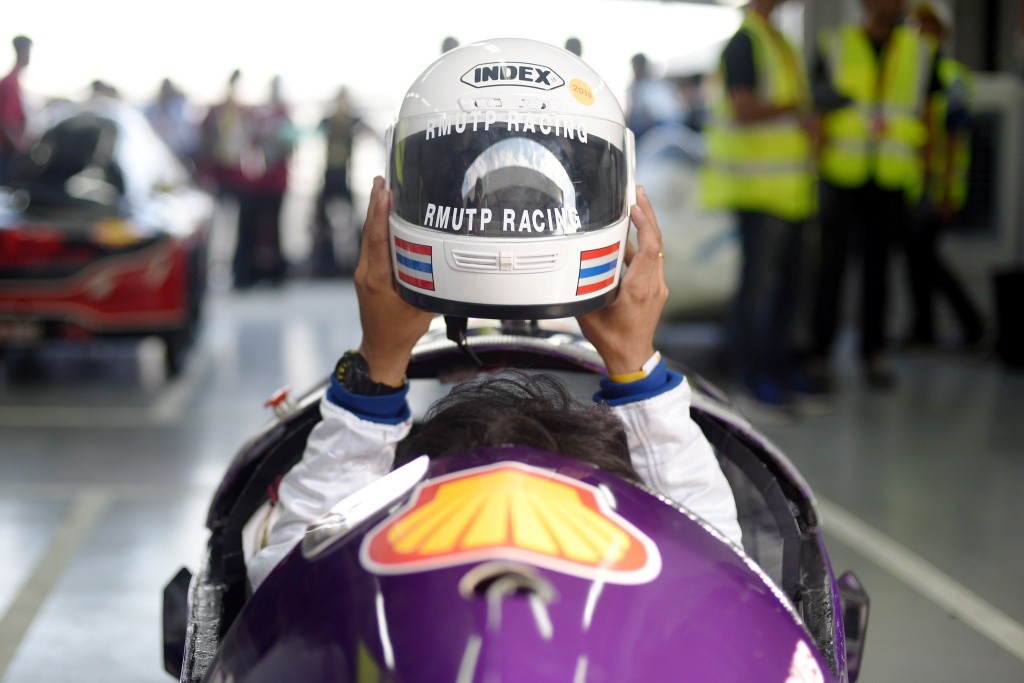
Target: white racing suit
[{"x": 346, "y": 451}]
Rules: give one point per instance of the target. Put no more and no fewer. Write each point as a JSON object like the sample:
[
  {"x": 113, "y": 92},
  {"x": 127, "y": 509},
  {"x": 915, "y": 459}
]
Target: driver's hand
[
  {"x": 391, "y": 327},
  {"x": 623, "y": 331}
]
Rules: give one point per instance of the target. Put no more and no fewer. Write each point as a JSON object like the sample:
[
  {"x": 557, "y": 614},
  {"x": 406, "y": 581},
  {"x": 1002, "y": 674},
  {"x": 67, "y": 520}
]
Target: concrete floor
[{"x": 106, "y": 470}]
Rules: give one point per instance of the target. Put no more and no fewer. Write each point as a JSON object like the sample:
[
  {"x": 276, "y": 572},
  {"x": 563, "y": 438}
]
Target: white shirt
[{"x": 345, "y": 453}]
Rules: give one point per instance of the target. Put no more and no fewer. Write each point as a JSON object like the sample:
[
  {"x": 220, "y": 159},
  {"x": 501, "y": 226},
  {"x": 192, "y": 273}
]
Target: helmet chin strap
[
  {"x": 527, "y": 328},
  {"x": 457, "y": 326}
]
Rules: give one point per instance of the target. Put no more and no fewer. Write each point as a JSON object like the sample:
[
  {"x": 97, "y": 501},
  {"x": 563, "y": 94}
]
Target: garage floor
[{"x": 106, "y": 470}]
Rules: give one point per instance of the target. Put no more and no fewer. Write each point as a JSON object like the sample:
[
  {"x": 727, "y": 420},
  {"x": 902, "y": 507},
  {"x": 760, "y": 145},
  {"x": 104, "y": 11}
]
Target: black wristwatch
[{"x": 353, "y": 373}]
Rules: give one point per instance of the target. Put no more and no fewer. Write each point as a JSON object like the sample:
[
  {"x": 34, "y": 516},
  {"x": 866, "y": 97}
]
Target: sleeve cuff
[
  {"x": 385, "y": 409},
  {"x": 660, "y": 380}
]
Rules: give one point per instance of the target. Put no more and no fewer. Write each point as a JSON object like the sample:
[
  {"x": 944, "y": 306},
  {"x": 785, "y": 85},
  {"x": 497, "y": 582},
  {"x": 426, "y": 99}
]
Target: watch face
[
  {"x": 341, "y": 370},
  {"x": 353, "y": 373},
  {"x": 350, "y": 368}
]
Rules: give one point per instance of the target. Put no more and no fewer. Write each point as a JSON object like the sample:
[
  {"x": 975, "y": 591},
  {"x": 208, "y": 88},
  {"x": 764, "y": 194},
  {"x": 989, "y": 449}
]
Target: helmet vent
[
  {"x": 483, "y": 262},
  {"x": 467, "y": 103},
  {"x": 474, "y": 260},
  {"x": 534, "y": 104},
  {"x": 524, "y": 103},
  {"x": 537, "y": 262}
]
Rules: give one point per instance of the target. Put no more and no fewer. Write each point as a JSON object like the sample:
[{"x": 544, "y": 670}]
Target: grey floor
[{"x": 106, "y": 470}]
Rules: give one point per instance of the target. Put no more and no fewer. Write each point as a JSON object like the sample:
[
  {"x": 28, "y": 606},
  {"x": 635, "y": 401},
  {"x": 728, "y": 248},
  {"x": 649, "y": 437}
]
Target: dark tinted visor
[{"x": 496, "y": 174}]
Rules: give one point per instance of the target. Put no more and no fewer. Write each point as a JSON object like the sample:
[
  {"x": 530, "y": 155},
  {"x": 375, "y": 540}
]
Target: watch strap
[{"x": 353, "y": 373}]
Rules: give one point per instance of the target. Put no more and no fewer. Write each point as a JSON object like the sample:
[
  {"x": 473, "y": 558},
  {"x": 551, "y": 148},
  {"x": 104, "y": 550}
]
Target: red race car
[{"x": 102, "y": 233}]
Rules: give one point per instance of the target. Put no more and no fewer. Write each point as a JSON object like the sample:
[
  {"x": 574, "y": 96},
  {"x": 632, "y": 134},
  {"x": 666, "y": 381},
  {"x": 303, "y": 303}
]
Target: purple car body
[{"x": 511, "y": 564}]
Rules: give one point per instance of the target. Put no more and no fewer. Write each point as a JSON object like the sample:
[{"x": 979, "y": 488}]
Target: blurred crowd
[
  {"x": 855, "y": 157},
  {"x": 240, "y": 152},
  {"x": 848, "y": 158}
]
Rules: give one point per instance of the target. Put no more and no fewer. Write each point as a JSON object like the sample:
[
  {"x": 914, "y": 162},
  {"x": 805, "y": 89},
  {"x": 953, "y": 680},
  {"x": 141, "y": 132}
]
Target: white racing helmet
[{"x": 512, "y": 173}]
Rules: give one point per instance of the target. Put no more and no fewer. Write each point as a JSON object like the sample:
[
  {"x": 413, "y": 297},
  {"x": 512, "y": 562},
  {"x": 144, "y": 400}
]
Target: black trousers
[
  {"x": 868, "y": 220},
  {"x": 335, "y": 187},
  {"x": 930, "y": 277},
  {"x": 258, "y": 249},
  {"x": 765, "y": 309}
]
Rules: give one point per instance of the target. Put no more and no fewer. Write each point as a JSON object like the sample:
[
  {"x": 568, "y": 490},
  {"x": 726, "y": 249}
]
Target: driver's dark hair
[{"x": 524, "y": 409}]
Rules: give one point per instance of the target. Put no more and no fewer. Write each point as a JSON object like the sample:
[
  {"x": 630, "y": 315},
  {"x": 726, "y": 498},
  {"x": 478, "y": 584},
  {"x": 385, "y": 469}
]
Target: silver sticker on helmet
[
  {"x": 513, "y": 73},
  {"x": 557, "y": 220},
  {"x": 546, "y": 124}
]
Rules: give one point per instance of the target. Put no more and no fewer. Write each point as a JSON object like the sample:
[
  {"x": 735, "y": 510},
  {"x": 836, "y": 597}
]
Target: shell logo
[{"x": 512, "y": 511}]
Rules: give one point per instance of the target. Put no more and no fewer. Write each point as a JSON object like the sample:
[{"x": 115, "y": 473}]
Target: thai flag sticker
[
  {"x": 414, "y": 264},
  {"x": 597, "y": 269}
]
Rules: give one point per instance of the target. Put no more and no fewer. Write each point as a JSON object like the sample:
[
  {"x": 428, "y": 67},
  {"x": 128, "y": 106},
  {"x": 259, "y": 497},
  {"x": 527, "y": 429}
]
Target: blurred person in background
[
  {"x": 650, "y": 101},
  {"x": 691, "y": 90},
  {"x": 13, "y": 138},
  {"x": 223, "y": 143},
  {"x": 871, "y": 83},
  {"x": 99, "y": 89},
  {"x": 945, "y": 191},
  {"x": 760, "y": 165},
  {"x": 340, "y": 128},
  {"x": 175, "y": 121},
  {"x": 258, "y": 254},
  {"x": 449, "y": 43}
]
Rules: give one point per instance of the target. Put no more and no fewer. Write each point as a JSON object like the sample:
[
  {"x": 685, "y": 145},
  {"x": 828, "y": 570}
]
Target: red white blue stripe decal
[
  {"x": 597, "y": 269},
  {"x": 415, "y": 265}
]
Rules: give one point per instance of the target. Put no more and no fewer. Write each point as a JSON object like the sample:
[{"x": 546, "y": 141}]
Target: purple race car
[{"x": 512, "y": 564}]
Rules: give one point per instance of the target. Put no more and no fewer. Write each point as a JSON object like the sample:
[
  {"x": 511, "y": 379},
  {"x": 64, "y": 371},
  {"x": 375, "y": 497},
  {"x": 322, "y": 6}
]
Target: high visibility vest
[
  {"x": 763, "y": 166},
  {"x": 881, "y": 134},
  {"x": 951, "y": 74}
]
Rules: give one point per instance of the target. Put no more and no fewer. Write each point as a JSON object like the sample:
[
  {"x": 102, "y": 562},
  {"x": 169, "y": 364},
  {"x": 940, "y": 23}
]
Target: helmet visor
[{"x": 509, "y": 174}]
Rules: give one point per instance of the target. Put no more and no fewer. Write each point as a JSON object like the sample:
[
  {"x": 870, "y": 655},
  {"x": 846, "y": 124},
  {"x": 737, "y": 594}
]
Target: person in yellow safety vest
[
  {"x": 760, "y": 165},
  {"x": 945, "y": 191},
  {"x": 871, "y": 84}
]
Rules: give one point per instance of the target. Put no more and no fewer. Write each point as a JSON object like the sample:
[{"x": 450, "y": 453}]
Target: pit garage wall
[{"x": 989, "y": 34}]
